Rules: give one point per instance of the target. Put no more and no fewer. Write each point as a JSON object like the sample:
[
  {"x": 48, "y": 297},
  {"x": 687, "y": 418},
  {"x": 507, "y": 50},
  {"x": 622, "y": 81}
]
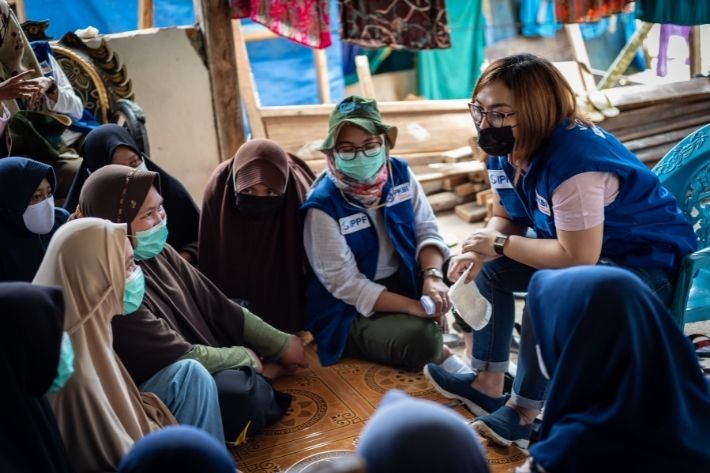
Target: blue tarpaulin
[{"x": 283, "y": 70}]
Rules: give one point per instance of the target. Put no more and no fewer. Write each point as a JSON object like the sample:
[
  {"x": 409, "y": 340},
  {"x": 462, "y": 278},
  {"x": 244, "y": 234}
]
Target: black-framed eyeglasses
[
  {"x": 494, "y": 119},
  {"x": 349, "y": 152}
]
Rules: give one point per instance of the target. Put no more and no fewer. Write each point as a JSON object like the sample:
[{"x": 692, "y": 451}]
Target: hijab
[
  {"x": 31, "y": 318},
  {"x": 21, "y": 251},
  {"x": 100, "y": 411},
  {"x": 408, "y": 435},
  {"x": 97, "y": 152},
  {"x": 180, "y": 448},
  {"x": 626, "y": 388},
  {"x": 252, "y": 259},
  {"x": 181, "y": 306}
]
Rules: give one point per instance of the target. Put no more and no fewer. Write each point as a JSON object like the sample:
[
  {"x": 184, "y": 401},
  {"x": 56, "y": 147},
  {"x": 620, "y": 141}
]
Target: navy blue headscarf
[
  {"x": 408, "y": 435},
  {"x": 21, "y": 251},
  {"x": 179, "y": 448},
  {"x": 627, "y": 393}
]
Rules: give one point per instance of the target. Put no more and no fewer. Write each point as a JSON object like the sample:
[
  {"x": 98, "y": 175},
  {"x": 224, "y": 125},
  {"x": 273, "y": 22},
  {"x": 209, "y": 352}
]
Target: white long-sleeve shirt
[
  {"x": 334, "y": 263},
  {"x": 68, "y": 103}
]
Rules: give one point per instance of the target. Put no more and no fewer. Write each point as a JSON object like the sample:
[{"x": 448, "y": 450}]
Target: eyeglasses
[
  {"x": 494, "y": 119},
  {"x": 348, "y": 152}
]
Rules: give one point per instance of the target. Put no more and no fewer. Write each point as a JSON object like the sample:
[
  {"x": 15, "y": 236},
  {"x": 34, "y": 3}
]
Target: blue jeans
[
  {"x": 497, "y": 281},
  {"x": 190, "y": 392}
]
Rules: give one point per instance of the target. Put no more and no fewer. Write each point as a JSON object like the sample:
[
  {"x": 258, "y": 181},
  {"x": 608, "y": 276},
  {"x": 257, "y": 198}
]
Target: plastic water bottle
[{"x": 428, "y": 305}]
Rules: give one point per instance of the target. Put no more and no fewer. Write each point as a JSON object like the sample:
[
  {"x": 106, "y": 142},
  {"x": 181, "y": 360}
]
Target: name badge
[
  {"x": 353, "y": 223},
  {"x": 399, "y": 194},
  {"x": 542, "y": 204},
  {"x": 498, "y": 179}
]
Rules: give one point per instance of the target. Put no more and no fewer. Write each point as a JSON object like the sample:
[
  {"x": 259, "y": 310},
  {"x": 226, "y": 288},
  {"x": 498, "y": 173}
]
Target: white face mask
[
  {"x": 39, "y": 218},
  {"x": 142, "y": 166}
]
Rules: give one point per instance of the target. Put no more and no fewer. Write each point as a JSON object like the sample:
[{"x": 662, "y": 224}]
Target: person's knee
[
  {"x": 190, "y": 374},
  {"x": 421, "y": 344}
]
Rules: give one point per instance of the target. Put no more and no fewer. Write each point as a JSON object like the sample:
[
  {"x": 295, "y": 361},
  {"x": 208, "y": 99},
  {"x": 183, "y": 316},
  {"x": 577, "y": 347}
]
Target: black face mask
[
  {"x": 259, "y": 208},
  {"x": 496, "y": 141}
]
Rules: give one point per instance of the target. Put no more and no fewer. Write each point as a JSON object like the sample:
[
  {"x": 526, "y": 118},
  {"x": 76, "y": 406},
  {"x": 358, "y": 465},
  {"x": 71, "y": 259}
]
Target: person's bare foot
[
  {"x": 489, "y": 383},
  {"x": 527, "y": 416}
]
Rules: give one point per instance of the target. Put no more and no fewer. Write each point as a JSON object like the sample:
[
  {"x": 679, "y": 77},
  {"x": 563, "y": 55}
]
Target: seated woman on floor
[
  {"x": 28, "y": 217},
  {"x": 112, "y": 144},
  {"x": 374, "y": 249},
  {"x": 32, "y": 319},
  {"x": 626, "y": 392},
  {"x": 409, "y": 435},
  {"x": 251, "y": 244},
  {"x": 100, "y": 411},
  {"x": 184, "y": 315}
]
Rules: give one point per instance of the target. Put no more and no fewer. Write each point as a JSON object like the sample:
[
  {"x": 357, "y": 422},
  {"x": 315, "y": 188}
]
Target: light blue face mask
[
  {"x": 66, "y": 364},
  {"x": 152, "y": 241},
  {"x": 358, "y": 166},
  {"x": 134, "y": 291}
]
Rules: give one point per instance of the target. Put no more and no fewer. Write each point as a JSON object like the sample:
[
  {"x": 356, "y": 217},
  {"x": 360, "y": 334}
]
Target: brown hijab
[
  {"x": 181, "y": 306},
  {"x": 100, "y": 411},
  {"x": 253, "y": 259}
]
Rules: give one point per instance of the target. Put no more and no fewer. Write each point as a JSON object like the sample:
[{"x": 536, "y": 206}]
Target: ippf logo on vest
[
  {"x": 499, "y": 179},
  {"x": 353, "y": 223}
]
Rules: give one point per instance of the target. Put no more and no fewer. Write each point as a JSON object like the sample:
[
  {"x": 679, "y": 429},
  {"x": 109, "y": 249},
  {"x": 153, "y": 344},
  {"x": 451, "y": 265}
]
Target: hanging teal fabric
[
  {"x": 678, "y": 12},
  {"x": 451, "y": 73}
]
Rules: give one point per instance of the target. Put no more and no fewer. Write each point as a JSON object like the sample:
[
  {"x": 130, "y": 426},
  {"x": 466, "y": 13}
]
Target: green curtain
[
  {"x": 451, "y": 73},
  {"x": 676, "y": 12}
]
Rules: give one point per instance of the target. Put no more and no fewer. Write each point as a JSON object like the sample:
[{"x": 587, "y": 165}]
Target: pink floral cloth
[{"x": 304, "y": 21}]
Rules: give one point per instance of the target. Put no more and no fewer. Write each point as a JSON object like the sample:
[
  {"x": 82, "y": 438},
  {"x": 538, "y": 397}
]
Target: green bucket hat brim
[{"x": 374, "y": 127}]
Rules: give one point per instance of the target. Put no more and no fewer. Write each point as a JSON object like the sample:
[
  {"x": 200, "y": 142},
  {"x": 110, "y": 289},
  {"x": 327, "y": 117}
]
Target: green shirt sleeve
[
  {"x": 217, "y": 359},
  {"x": 266, "y": 340}
]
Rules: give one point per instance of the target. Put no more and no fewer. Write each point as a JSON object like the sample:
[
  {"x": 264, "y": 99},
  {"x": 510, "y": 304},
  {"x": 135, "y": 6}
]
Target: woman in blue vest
[
  {"x": 588, "y": 199},
  {"x": 374, "y": 249}
]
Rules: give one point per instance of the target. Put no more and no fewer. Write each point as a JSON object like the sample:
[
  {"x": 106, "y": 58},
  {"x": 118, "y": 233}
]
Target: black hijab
[
  {"x": 32, "y": 318},
  {"x": 21, "y": 251},
  {"x": 98, "y": 148}
]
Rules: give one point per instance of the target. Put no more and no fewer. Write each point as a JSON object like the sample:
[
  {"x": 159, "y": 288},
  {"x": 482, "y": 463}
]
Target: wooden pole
[
  {"x": 362, "y": 67},
  {"x": 145, "y": 14},
  {"x": 321, "y": 64},
  {"x": 19, "y": 10},
  {"x": 574, "y": 35},
  {"x": 626, "y": 55},
  {"x": 694, "y": 43},
  {"x": 246, "y": 84},
  {"x": 215, "y": 21}
]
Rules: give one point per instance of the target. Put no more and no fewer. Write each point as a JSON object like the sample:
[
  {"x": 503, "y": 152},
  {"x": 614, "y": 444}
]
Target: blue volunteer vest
[
  {"x": 643, "y": 227},
  {"x": 329, "y": 318}
]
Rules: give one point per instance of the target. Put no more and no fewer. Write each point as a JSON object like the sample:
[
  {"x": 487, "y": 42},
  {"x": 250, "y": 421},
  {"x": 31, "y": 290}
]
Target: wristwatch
[
  {"x": 432, "y": 273},
  {"x": 499, "y": 243}
]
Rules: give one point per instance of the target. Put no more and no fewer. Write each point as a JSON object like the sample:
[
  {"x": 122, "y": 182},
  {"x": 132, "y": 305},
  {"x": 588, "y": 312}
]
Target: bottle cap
[{"x": 428, "y": 305}]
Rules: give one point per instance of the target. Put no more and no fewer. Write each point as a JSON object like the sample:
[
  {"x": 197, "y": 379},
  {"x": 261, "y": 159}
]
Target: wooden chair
[{"x": 98, "y": 78}]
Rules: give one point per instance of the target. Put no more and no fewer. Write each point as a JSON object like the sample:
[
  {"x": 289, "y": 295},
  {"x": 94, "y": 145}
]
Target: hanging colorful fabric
[
  {"x": 303, "y": 21},
  {"x": 582, "y": 11},
  {"x": 680, "y": 12},
  {"x": 395, "y": 23}
]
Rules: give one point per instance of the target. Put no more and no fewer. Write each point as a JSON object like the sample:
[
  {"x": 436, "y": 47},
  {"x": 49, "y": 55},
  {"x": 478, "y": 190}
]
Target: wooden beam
[
  {"x": 362, "y": 67},
  {"x": 579, "y": 49},
  {"x": 145, "y": 14},
  {"x": 19, "y": 9},
  {"x": 247, "y": 89},
  {"x": 321, "y": 64},
  {"x": 695, "y": 48},
  {"x": 215, "y": 21},
  {"x": 626, "y": 55}
]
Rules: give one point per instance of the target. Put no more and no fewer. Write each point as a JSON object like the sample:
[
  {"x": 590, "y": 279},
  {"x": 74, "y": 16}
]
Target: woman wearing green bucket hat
[{"x": 374, "y": 249}]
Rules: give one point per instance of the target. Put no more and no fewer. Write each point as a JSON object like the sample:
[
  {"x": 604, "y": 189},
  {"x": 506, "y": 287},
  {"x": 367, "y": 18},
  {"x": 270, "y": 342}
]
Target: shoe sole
[
  {"x": 485, "y": 431},
  {"x": 471, "y": 406}
]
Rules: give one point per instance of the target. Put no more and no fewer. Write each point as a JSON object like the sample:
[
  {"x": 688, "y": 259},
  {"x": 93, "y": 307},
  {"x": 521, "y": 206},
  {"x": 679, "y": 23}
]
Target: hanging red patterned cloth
[
  {"x": 303, "y": 21},
  {"x": 412, "y": 24},
  {"x": 582, "y": 11}
]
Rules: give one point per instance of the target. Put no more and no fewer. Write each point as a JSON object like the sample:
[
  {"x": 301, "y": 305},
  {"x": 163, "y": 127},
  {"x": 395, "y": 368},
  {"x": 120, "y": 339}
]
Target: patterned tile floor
[{"x": 330, "y": 407}]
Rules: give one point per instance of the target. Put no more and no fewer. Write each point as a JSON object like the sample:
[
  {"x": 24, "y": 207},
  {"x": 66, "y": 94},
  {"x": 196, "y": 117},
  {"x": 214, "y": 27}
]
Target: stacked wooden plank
[{"x": 654, "y": 118}]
